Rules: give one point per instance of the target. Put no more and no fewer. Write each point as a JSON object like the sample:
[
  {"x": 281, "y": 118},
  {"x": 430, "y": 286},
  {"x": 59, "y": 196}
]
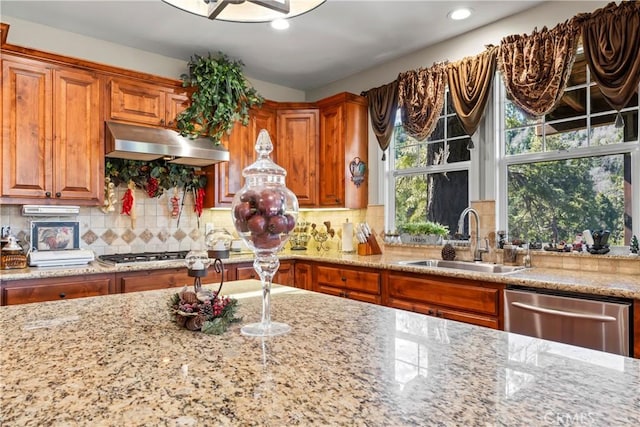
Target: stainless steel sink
[{"x": 463, "y": 265}]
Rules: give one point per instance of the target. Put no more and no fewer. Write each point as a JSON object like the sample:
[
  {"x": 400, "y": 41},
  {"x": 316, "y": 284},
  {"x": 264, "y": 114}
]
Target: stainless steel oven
[{"x": 600, "y": 323}]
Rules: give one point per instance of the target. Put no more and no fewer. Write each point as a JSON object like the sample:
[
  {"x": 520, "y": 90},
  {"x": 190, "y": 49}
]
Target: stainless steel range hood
[{"x": 133, "y": 142}]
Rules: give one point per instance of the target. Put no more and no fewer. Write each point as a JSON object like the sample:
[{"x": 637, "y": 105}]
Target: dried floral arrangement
[{"x": 205, "y": 311}]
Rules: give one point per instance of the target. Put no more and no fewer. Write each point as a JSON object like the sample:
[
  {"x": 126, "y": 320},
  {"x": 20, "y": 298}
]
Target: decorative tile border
[
  {"x": 89, "y": 237},
  {"x": 109, "y": 236}
]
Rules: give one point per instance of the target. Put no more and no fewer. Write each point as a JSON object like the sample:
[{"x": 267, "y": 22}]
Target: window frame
[
  {"x": 391, "y": 173},
  {"x": 504, "y": 161}
]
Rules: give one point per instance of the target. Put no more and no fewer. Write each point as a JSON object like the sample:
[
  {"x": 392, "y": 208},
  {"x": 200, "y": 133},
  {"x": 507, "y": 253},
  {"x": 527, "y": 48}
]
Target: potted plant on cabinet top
[
  {"x": 222, "y": 97},
  {"x": 422, "y": 233}
]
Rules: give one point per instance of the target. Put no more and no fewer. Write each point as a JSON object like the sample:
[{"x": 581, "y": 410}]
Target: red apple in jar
[
  {"x": 291, "y": 222},
  {"x": 243, "y": 211},
  {"x": 266, "y": 241},
  {"x": 250, "y": 197},
  {"x": 271, "y": 202},
  {"x": 257, "y": 224},
  {"x": 277, "y": 224}
]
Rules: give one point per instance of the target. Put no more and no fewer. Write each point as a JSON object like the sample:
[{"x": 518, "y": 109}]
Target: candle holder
[
  {"x": 203, "y": 309},
  {"x": 197, "y": 263},
  {"x": 264, "y": 214},
  {"x": 218, "y": 242}
]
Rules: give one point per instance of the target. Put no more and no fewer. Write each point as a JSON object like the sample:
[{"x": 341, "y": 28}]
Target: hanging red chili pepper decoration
[
  {"x": 175, "y": 204},
  {"x": 128, "y": 203},
  {"x": 198, "y": 201}
]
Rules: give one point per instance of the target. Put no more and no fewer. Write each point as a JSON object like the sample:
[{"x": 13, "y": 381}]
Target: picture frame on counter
[{"x": 55, "y": 235}]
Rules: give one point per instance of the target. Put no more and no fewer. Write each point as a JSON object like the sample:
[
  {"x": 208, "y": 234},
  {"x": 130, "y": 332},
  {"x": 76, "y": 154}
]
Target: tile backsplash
[{"x": 155, "y": 229}]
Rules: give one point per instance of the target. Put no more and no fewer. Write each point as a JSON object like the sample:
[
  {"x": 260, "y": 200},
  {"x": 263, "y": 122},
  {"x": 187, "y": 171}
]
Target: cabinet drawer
[
  {"x": 468, "y": 297},
  {"x": 460, "y": 316},
  {"x": 356, "y": 280},
  {"x": 52, "y": 292},
  {"x": 161, "y": 279},
  {"x": 284, "y": 275}
]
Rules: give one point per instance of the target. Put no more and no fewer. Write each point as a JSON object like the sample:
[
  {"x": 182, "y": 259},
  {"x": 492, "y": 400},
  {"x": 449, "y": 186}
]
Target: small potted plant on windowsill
[{"x": 422, "y": 233}]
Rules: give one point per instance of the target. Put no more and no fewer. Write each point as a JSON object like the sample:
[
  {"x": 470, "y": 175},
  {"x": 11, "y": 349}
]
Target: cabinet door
[
  {"x": 443, "y": 292},
  {"x": 241, "y": 145},
  {"x": 343, "y": 140},
  {"x": 297, "y": 152},
  {"x": 332, "y": 172},
  {"x": 176, "y": 104},
  {"x": 137, "y": 102},
  {"x": 78, "y": 159},
  {"x": 302, "y": 276},
  {"x": 284, "y": 275},
  {"x": 39, "y": 290},
  {"x": 27, "y": 129}
]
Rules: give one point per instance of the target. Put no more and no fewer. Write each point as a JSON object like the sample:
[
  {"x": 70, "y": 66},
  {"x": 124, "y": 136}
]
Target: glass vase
[{"x": 264, "y": 214}]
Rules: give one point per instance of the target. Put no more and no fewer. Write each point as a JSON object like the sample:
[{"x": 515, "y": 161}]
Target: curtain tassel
[
  {"x": 384, "y": 156},
  {"x": 619, "y": 121}
]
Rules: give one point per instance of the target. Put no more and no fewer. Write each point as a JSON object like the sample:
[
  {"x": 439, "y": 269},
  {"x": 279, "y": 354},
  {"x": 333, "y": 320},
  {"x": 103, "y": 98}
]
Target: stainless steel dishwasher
[{"x": 600, "y": 323}]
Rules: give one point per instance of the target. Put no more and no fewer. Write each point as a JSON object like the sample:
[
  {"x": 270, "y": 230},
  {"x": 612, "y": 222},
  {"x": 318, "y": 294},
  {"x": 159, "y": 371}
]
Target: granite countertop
[
  {"x": 615, "y": 284},
  {"x": 120, "y": 360}
]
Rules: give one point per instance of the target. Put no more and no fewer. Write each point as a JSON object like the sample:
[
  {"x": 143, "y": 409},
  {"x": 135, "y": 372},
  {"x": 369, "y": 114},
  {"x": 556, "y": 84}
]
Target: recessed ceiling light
[
  {"x": 460, "y": 14},
  {"x": 279, "y": 24}
]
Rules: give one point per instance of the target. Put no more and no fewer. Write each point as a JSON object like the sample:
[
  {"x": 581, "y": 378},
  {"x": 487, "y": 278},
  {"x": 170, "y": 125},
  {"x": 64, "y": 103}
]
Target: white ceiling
[{"x": 336, "y": 40}]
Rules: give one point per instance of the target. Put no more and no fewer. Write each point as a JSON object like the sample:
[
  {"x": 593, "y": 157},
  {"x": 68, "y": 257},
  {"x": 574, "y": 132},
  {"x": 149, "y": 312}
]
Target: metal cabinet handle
[
  {"x": 58, "y": 194},
  {"x": 344, "y": 279},
  {"x": 564, "y": 313},
  {"x": 62, "y": 295},
  {"x": 48, "y": 194}
]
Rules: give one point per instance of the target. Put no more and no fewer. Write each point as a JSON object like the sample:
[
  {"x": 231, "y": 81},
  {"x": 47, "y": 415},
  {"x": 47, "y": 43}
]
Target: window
[
  {"x": 570, "y": 170},
  {"x": 428, "y": 180}
]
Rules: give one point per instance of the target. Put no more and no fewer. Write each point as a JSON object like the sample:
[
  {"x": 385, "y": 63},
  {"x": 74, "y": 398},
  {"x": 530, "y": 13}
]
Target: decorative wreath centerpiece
[{"x": 205, "y": 311}]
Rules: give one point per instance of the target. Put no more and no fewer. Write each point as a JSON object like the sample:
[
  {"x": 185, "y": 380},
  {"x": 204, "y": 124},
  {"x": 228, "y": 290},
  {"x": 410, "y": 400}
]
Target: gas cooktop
[{"x": 143, "y": 257}]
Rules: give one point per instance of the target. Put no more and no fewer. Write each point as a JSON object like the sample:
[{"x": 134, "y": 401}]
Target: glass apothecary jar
[{"x": 264, "y": 214}]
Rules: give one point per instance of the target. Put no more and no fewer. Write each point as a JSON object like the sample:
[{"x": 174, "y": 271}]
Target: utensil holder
[{"x": 370, "y": 247}]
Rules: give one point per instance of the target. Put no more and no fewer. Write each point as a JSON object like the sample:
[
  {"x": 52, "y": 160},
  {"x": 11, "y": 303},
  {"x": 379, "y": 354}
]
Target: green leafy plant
[
  {"x": 164, "y": 175},
  {"x": 222, "y": 97},
  {"x": 426, "y": 227}
]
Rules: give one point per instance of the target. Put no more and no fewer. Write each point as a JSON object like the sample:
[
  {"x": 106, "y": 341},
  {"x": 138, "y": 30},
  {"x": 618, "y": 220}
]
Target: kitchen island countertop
[
  {"x": 120, "y": 360},
  {"x": 624, "y": 283}
]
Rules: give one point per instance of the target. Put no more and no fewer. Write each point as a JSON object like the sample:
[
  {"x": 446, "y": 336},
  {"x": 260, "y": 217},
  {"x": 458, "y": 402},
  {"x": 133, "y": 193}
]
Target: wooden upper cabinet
[
  {"x": 227, "y": 177},
  {"x": 27, "y": 129},
  {"x": 52, "y": 146},
  {"x": 177, "y": 102},
  {"x": 140, "y": 103},
  {"x": 342, "y": 150},
  {"x": 297, "y": 152},
  {"x": 78, "y": 150}
]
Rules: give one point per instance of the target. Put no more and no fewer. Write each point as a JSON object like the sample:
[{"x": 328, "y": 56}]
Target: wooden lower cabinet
[
  {"x": 284, "y": 275},
  {"x": 359, "y": 284},
  {"x": 51, "y": 289},
  {"x": 303, "y": 276},
  {"x": 463, "y": 300},
  {"x": 148, "y": 280},
  {"x": 636, "y": 329}
]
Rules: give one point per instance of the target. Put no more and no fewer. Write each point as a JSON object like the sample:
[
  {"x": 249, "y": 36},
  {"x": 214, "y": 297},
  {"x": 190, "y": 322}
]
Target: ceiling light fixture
[
  {"x": 279, "y": 24},
  {"x": 246, "y": 10},
  {"x": 460, "y": 14}
]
